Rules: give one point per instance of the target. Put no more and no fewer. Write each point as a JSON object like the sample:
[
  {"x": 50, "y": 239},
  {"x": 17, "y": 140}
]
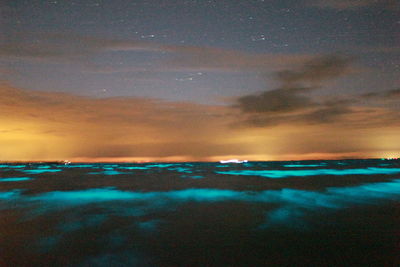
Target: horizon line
[{"x": 199, "y": 161}]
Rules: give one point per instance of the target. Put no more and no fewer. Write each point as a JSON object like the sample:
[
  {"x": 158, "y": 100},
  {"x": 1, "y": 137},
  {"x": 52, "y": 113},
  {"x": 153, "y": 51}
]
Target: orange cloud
[
  {"x": 38, "y": 125},
  {"x": 65, "y": 125}
]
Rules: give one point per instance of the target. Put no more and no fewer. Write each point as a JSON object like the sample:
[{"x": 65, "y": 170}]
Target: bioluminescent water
[{"x": 200, "y": 214}]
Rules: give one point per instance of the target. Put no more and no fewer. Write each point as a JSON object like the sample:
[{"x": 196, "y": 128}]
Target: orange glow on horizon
[
  {"x": 43, "y": 126},
  {"x": 300, "y": 157}
]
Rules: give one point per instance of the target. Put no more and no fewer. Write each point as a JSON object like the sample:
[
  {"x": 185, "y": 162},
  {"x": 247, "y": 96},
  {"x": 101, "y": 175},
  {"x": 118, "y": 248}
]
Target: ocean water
[{"x": 303, "y": 213}]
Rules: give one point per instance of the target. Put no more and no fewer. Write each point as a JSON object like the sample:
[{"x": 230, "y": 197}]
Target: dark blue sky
[{"x": 367, "y": 30}]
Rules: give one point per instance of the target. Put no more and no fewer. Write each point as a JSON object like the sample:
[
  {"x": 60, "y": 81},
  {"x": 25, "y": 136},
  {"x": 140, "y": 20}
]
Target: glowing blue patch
[
  {"x": 44, "y": 167},
  {"x": 109, "y": 172},
  {"x": 133, "y": 168},
  {"x": 148, "y": 226},
  {"x": 188, "y": 164},
  {"x": 159, "y": 165},
  {"x": 283, "y": 216},
  {"x": 193, "y": 176},
  {"x": 303, "y": 166},
  {"x": 208, "y": 195},
  {"x": 10, "y": 194},
  {"x": 80, "y": 166},
  {"x": 106, "y": 194},
  {"x": 41, "y": 171},
  {"x": 332, "y": 198},
  {"x": 180, "y": 169},
  {"x": 85, "y": 196},
  {"x": 367, "y": 192},
  {"x": 17, "y": 166},
  {"x": 4, "y": 166},
  {"x": 291, "y": 204},
  {"x": 222, "y": 166},
  {"x": 297, "y": 203},
  {"x": 15, "y": 179},
  {"x": 297, "y": 173}
]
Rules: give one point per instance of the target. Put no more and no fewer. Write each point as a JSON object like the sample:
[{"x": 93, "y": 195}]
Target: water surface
[{"x": 200, "y": 214}]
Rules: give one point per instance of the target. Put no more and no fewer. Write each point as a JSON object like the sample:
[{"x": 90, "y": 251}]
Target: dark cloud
[
  {"x": 277, "y": 100},
  {"x": 292, "y": 102},
  {"x": 327, "y": 112},
  {"x": 393, "y": 93},
  {"x": 317, "y": 113},
  {"x": 317, "y": 70},
  {"x": 388, "y": 95}
]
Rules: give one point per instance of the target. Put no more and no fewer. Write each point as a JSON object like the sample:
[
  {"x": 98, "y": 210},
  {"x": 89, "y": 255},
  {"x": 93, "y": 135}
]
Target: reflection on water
[{"x": 199, "y": 214}]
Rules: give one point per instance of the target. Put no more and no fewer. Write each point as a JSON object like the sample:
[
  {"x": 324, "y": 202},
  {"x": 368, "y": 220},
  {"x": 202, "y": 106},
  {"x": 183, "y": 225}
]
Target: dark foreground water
[{"x": 308, "y": 213}]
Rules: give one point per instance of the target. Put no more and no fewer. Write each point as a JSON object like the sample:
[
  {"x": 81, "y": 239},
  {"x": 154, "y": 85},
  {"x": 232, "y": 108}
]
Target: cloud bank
[{"x": 47, "y": 125}]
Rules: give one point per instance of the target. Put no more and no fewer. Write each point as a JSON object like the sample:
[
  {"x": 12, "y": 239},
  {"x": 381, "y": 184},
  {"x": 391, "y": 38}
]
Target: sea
[{"x": 281, "y": 213}]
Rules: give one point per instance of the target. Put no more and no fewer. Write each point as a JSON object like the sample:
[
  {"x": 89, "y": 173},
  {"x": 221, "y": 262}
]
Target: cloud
[
  {"x": 291, "y": 102},
  {"x": 67, "y": 48},
  {"x": 55, "y": 46},
  {"x": 318, "y": 114},
  {"x": 393, "y": 94},
  {"x": 328, "y": 112},
  {"x": 296, "y": 102},
  {"x": 275, "y": 101},
  {"x": 353, "y": 4},
  {"x": 316, "y": 70},
  {"x": 62, "y": 125}
]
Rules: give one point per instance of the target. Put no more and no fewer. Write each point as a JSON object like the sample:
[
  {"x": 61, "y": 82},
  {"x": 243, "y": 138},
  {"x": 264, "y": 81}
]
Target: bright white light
[{"x": 232, "y": 161}]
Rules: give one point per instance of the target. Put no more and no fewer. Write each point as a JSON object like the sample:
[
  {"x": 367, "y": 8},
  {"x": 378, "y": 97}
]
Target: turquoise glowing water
[{"x": 172, "y": 214}]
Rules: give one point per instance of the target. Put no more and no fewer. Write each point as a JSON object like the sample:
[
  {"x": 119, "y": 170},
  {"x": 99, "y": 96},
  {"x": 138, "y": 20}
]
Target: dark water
[{"x": 308, "y": 213}]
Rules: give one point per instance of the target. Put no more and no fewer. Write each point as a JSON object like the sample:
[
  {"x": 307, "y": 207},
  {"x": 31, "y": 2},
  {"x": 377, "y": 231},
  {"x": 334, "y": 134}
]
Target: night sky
[{"x": 196, "y": 80}]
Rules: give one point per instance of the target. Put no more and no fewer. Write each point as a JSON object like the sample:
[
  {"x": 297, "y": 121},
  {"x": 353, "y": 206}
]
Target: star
[{"x": 148, "y": 36}]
